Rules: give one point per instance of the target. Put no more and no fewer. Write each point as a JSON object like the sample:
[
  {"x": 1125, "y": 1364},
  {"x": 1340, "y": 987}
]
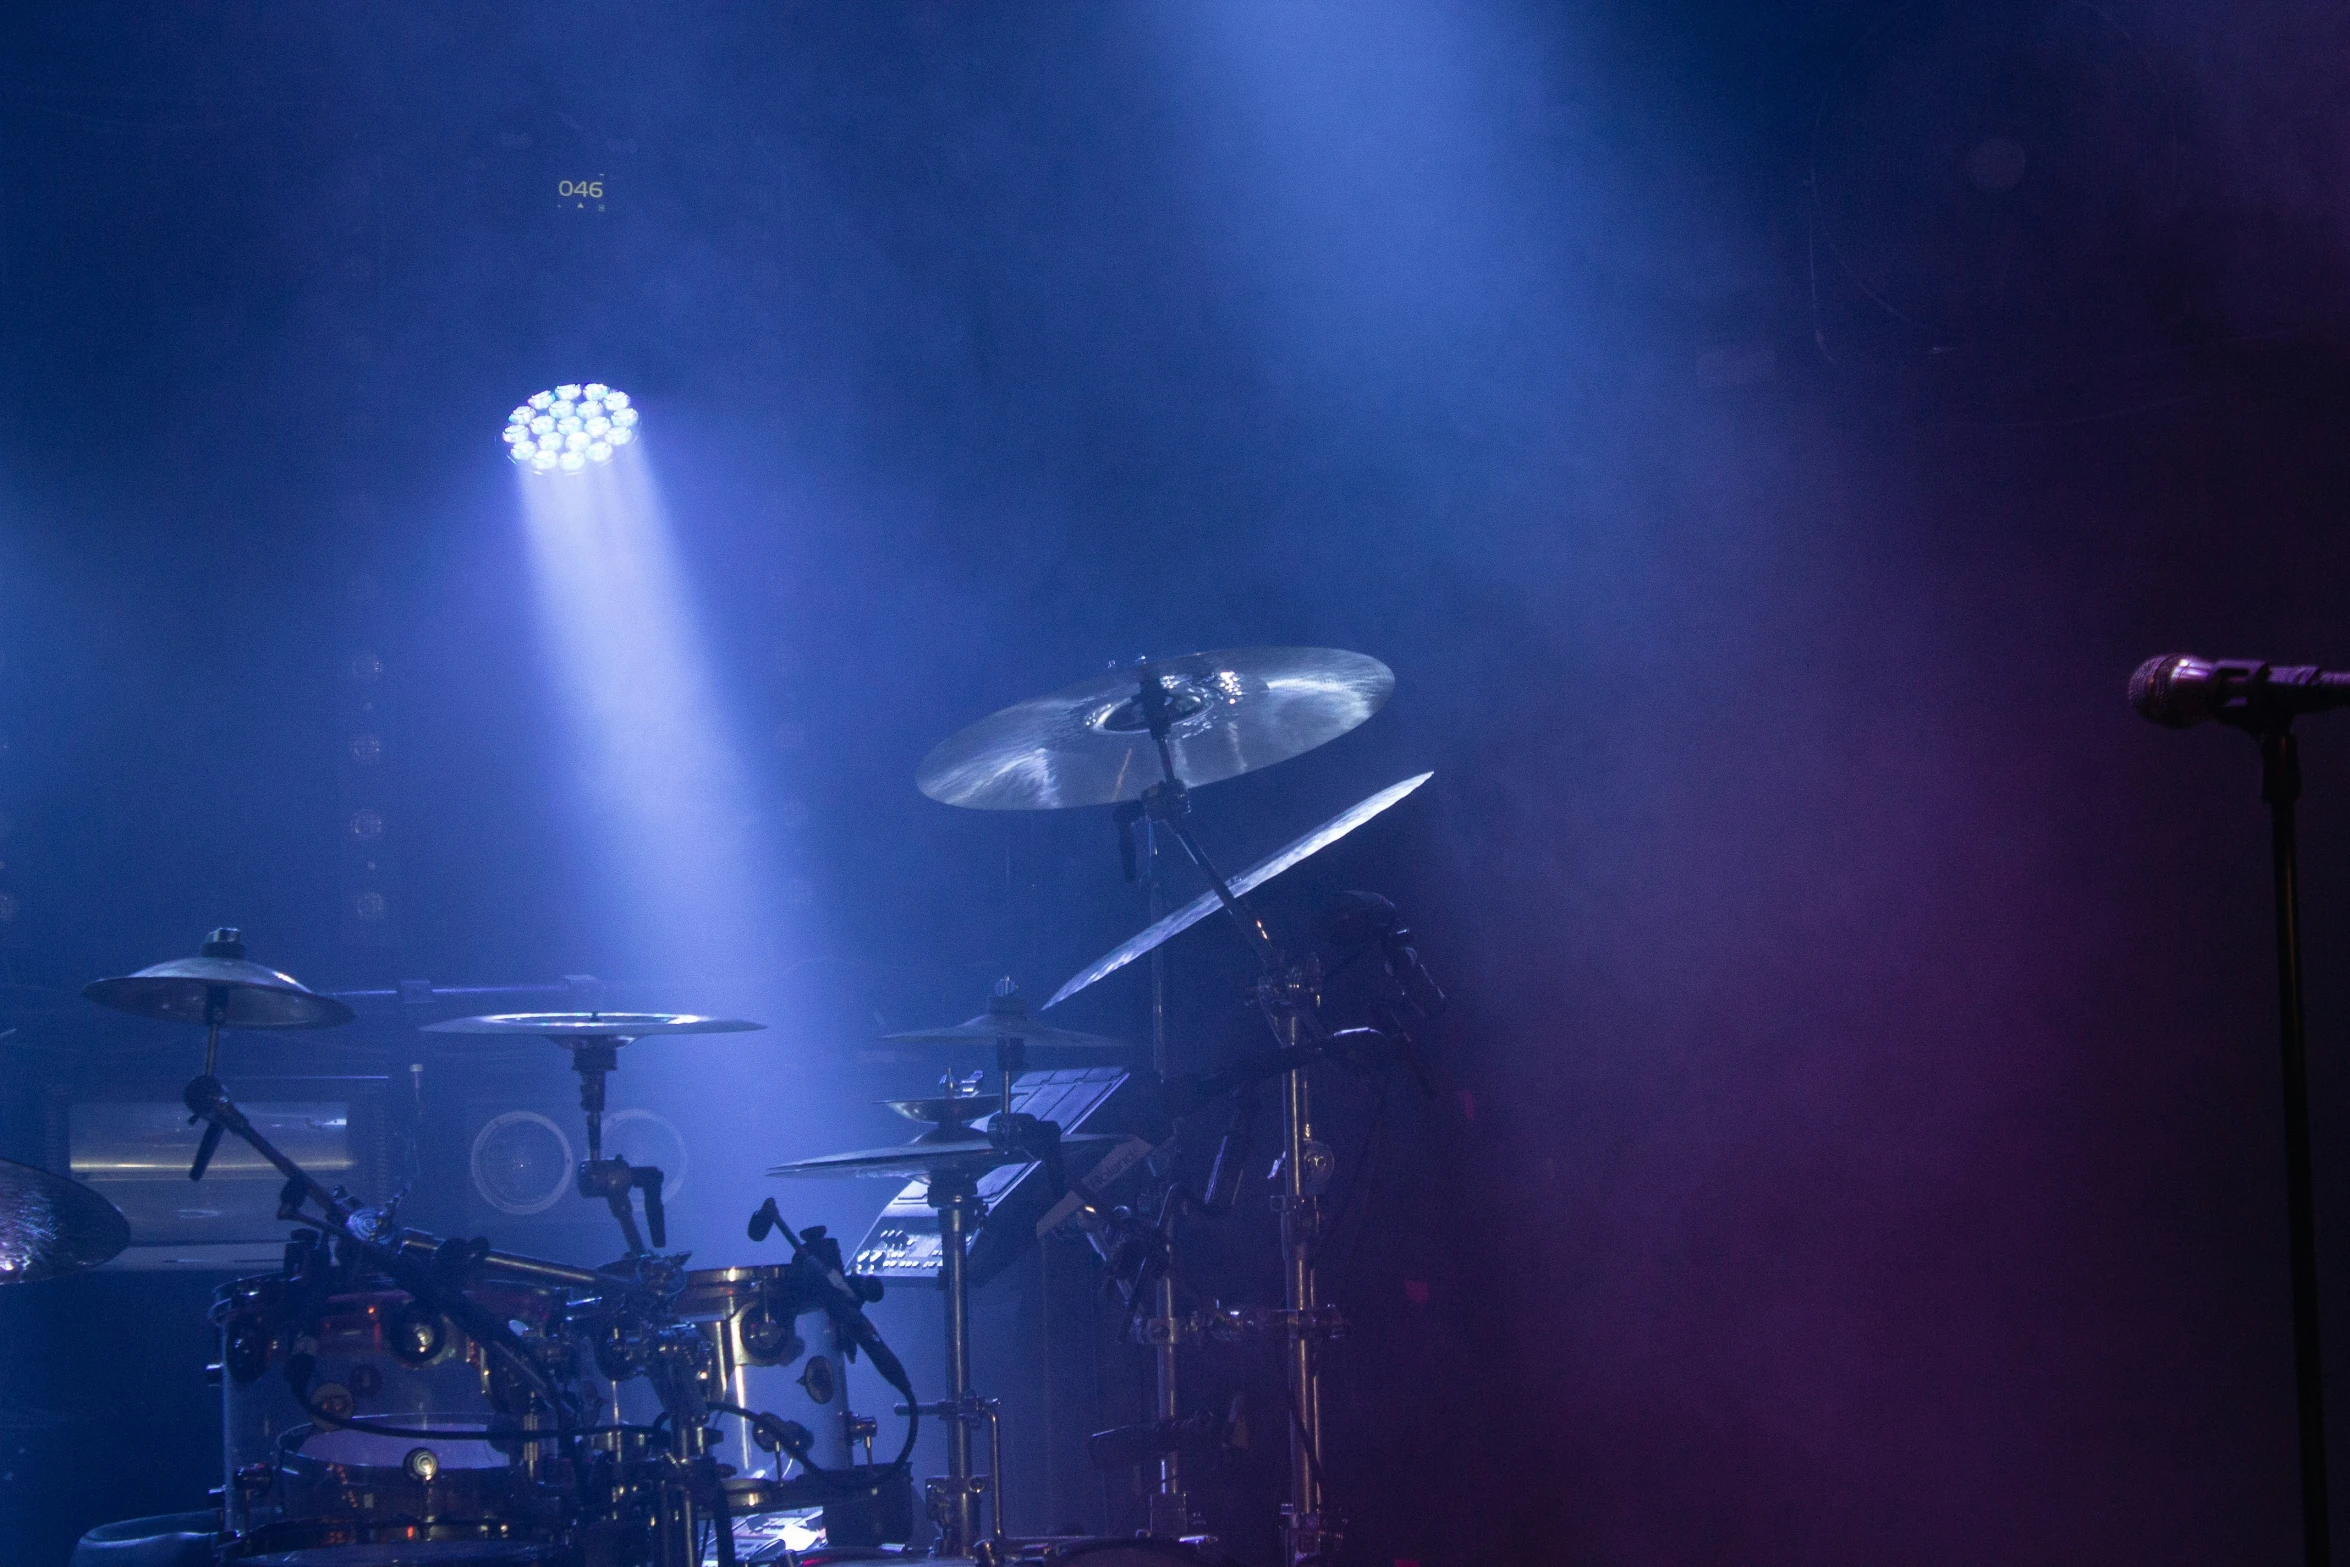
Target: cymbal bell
[
  {"x": 1230, "y": 712},
  {"x": 1255, "y": 876},
  {"x": 50, "y": 1225},
  {"x": 246, "y": 995},
  {"x": 573, "y": 1029}
]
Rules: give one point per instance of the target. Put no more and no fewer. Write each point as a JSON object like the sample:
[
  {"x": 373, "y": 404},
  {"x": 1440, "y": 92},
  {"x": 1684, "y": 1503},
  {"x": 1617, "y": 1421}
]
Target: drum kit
[{"x": 391, "y": 1396}]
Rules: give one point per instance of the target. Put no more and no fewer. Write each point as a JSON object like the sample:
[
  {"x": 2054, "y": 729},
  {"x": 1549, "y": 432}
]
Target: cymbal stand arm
[
  {"x": 593, "y": 1060},
  {"x": 215, "y": 1013},
  {"x": 1011, "y": 1059},
  {"x": 208, "y": 1101},
  {"x": 1169, "y": 802}
]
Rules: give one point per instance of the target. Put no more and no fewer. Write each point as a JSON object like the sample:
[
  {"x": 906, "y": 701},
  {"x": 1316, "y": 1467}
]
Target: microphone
[
  {"x": 1354, "y": 920},
  {"x": 1232, "y": 1160},
  {"x": 2179, "y": 691},
  {"x": 205, "y": 1150},
  {"x": 1357, "y": 921},
  {"x": 1123, "y": 1447}
]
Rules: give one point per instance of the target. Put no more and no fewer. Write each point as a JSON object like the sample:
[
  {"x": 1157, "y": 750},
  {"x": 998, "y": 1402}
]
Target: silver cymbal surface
[
  {"x": 579, "y": 1028},
  {"x": 930, "y": 1159},
  {"x": 252, "y": 997},
  {"x": 50, "y": 1225},
  {"x": 989, "y": 1027},
  {"x": 1086, "y": 744},
  {"x": 960, "y": 1110},
  {"x": 1255, "y": 876}
]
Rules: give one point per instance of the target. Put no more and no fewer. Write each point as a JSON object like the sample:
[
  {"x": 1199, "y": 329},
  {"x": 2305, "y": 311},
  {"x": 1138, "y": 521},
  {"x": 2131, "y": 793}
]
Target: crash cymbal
[
  {"x": 50, "y": 1225},
  {"x": 579, "y": 1028},
  {"x": 1087, "y": 744},
  {"x": 941, "y": 1160},
  {"x": 1255, "y": 876},
  {"x": 246, "y": 995}
]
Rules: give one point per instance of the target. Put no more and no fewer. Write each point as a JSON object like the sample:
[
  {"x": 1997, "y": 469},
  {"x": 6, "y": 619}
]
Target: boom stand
[{"x": 2280, "y": 786}]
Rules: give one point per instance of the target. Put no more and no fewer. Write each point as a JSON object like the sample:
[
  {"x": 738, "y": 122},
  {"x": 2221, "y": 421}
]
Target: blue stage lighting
[{"x": 569, "y": 427}]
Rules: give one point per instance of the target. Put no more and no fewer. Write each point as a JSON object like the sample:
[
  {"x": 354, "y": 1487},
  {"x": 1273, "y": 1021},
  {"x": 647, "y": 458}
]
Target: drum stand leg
[
  {"x": 1170, "y": 1509},
  {"x": 954, "y": 1499},
  {"x": 1299, "y": 1204}
]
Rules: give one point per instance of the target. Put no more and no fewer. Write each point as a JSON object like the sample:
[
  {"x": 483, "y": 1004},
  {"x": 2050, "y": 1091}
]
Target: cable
[
  {"x": 843, "y": 1479},
  {"x": 368, "y": 1425}
]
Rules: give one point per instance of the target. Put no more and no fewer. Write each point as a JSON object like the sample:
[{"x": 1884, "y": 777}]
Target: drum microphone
[
  {"x": 2179, "y": 691},
  {"x": 1232, "y": 1160},
  {"x": 1123, "y": 1447},
  {"x": 1355, "y": 921}
]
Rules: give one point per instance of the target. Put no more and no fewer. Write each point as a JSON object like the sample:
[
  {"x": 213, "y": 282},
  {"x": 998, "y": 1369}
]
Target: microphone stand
[{"x": 2280, "y": 787}]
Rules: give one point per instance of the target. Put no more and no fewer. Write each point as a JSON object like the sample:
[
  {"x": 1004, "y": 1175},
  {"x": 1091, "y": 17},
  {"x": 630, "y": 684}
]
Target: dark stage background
[{"x": 1761, "y": 439}]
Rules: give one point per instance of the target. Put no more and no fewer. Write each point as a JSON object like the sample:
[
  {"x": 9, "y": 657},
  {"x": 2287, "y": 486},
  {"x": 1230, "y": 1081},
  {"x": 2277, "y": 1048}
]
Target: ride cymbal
[
  {"x": 1229, "y": 712},
  {"x": 579, "y": 1028}
]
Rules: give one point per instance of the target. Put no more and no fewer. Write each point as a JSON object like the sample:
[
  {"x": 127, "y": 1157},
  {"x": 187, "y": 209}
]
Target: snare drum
[{"x": 419, "y": 1475}]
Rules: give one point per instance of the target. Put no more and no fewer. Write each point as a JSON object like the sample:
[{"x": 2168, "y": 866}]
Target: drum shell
[
  {"x": 293, "y": 1484},
  {"x": 804, "y": 1380}
]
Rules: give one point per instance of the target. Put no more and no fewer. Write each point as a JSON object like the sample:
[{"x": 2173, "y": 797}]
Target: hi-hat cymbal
[
  {"x": 246, "y": 995},
  {"x": 50, "y": 1225},
  {"x": 582, "y": 1028},
  {"x": 1255, "y": 876},
  {"x": 1086, "y": 744},
  {"x": 943, "y": 1160}
]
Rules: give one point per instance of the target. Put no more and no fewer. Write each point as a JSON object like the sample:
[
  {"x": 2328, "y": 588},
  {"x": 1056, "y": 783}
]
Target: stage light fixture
[{"x": 565, "y": 428}]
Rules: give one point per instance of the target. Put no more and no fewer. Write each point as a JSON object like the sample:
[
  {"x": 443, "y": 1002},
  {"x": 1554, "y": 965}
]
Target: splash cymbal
[
  {"x": 245, "y": 995},
  {"x": 1230, "y": 712}
]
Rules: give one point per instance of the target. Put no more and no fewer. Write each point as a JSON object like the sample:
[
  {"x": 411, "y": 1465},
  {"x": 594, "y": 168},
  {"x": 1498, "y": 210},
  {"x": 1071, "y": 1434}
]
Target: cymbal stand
[
  {"x": 954, "y": 1498},
  {"x": 215, "y": 1013},
  {"x": 614, "y": 1180},
  {"x": 1170, "y": 1508},
  {"x": 1287, "y": 994}
]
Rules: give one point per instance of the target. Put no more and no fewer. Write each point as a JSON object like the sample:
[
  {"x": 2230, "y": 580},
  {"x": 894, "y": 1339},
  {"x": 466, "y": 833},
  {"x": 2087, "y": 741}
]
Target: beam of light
[{"x": 683, "y": 859}]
